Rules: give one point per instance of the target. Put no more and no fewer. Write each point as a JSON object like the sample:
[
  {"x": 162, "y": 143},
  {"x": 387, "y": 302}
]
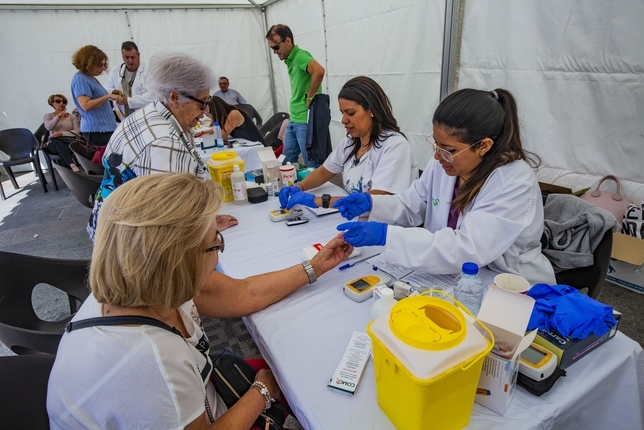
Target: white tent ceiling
[{"x": 575, "y": 68}]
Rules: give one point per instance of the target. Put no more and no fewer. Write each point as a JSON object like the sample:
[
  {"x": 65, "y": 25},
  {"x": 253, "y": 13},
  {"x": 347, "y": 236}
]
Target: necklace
[{"x": 361, "y": 152}]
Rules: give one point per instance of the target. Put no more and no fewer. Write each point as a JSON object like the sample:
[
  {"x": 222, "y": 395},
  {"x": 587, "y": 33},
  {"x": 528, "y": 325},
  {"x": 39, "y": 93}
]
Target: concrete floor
[{"x": 53, "y": 225}]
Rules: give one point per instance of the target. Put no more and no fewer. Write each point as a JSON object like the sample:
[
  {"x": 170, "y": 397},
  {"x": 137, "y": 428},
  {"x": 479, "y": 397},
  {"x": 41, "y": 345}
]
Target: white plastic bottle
[
  {"x": 384, "y": 304},
  {"x": 238, "y": 180},
  {"x": 469, "y": 288},
  {"x": 219, "y": 141}
]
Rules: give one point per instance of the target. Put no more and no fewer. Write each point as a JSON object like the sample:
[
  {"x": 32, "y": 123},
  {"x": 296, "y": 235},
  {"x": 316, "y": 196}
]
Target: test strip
[{"x": 347, "y": 375}]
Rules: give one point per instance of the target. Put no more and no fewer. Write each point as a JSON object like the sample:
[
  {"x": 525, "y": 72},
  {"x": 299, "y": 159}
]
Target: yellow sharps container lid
[
  {"x": 224, "y": 156},
  {"x": 427, "y": 323}
]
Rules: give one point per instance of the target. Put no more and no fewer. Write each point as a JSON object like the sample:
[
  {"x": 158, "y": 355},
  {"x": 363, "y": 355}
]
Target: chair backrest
[
  {"x": 271, "y": 138},
  {"x": 42, "y": 134},
  {"x": 272, "y": 122},
  {"x": 23, "y": 391},
  {"x": 82, "y": 186},
  {"x": 251, "y": 112},
  {"x": 84, "y": 157},
  {"x": 20, "y": 328},
  {"x": 18, "y": 143}
]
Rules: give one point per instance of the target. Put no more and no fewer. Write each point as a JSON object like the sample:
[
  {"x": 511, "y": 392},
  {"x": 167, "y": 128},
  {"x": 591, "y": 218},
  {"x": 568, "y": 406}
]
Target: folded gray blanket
[{"x": 573, "y": 229}]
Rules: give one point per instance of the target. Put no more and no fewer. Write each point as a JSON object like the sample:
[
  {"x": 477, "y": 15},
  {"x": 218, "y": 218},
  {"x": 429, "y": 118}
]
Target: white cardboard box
[
  {"x": 627, "y": 263},
  {"x": 507, "y": 315},
  {"x": 270, "y": 165}
]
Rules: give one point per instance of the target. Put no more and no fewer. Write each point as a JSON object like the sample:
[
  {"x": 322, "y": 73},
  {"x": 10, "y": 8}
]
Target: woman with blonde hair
[{"x": 97, "y": 118}]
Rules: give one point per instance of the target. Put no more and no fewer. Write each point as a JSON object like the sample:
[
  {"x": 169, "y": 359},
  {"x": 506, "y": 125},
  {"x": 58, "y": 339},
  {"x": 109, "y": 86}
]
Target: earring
[{"x": 371, "y": 114}]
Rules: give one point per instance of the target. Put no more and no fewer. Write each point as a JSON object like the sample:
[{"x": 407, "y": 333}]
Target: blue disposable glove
[
  {"x": 353, "y": 205},
  {"x": 301, "y": 198},
  {"x": 364, "y": 233},
  {"x": 286, "y": 193}
]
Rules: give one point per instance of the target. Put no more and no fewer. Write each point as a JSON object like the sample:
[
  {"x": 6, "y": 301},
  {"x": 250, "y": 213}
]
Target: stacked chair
[{"x": 21, "y": 146}]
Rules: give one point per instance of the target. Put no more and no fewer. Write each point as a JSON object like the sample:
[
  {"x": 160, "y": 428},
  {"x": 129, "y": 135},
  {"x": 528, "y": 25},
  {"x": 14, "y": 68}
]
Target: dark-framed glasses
[
  {"x": 276, "y": 47},
  {"x": 444, "y": 153},
  {"x": 203, "y": 103},
  {"x": 60, "y": 101},
  {"x": 220, "y": 245}
]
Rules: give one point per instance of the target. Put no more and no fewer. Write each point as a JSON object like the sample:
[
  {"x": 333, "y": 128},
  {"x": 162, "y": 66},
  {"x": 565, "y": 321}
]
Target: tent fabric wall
[{"x": 576, "y": 71}]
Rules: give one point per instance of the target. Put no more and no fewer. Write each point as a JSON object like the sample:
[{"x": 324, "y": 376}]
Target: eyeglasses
[
  {"x": 204, "y": 103},
  {"x": 444, "y": 153},
  {"x": 60, "y": 101},
  {"x": 103, "y": 64},
  {"x": 276, "y": 47},
  {"x": 219, "y": 247}
]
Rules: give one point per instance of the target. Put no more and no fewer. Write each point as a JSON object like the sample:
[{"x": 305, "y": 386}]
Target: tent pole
[{"x": 454, "y": 10}]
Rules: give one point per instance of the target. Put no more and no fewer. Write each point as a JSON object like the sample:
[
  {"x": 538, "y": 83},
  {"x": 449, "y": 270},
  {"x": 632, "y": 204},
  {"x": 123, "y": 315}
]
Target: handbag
[
  {"x": 232, "y": 377},
  {"x": 96, "y": 150},
  {"x": 612, "y": 202}
]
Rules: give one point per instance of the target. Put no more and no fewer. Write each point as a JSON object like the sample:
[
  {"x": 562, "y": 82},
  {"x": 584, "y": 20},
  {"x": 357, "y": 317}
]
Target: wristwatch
[
  {"x": 309, "y": 271},
  {"x": 326, "y": 199}
]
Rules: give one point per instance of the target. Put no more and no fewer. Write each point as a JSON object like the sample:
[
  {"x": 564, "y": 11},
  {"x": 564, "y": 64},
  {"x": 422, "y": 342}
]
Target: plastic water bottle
[
  {"x": 238, "y": 180},
  {"x": 384, "y": 304},
  {"x": 219, "y": 141},
  {"x": 469, "y": 289}
]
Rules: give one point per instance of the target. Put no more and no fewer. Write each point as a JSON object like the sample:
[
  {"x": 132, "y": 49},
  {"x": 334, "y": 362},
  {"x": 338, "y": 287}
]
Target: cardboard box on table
[
  {"x": 270, "y": 165},
  {"x": 627, "y": 263},
  {"x": 507, "y": 315}
]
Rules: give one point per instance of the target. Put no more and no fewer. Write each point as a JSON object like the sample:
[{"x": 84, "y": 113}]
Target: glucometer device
[
  {"x": 361, "y": 289},
  {"x": 296, "y": 221},
  {"x": 284, "y": 214},
  {"x": 537, "y": 363}
]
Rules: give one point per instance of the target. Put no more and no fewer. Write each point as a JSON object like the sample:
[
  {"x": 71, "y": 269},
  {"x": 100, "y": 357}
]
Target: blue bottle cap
[{"x": 470, "y": 268}]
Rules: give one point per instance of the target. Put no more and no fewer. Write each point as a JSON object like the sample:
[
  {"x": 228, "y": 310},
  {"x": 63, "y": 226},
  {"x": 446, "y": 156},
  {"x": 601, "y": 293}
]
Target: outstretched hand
[
  {"x": 286, "y": 193},
  {"x": 353, "y": 205},
  {"x": 225, "y": 221},
  {"x": 301, "y": 198},
  {"x": 364, "y": 233},
  {"x": 332, "y": 254}
]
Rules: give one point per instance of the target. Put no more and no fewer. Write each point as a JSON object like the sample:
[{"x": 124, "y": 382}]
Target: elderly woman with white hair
[{"x": 157, "y": 137}]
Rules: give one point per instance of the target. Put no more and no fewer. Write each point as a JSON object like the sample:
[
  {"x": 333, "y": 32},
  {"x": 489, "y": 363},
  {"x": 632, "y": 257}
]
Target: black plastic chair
[
  {"x": 273, "y": 121},
  {"x": 20, "y": 328},
  {"x": 251, "y": 112},
  {"x": 84, "y": 157},
  {"x": 23, "y": 392},
  {"x": 42, "y": 134},
  {"x": 21, "y": 146},
  {"x": 271, "y": 138},
  {"x": 82, "y": 186}
]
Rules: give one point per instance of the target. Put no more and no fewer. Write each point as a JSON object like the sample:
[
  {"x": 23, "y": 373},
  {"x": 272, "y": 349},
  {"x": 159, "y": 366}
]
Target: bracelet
[
  {"x": 309, "y": 271},
  {"x": 263, "y": 390},
  {"x": 310, "y": 99}
]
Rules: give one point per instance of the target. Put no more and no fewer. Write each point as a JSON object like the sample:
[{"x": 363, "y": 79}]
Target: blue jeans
[{"x": 295, "y": 143}]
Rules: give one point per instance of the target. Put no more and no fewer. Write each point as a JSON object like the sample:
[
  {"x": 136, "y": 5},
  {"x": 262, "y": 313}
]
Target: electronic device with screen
[
  {"x": 362, "y": 288},
  {"x": 537, "y": 362},
  {"x": 296, "y": 221},
  {"x": 284, "y": 214}
]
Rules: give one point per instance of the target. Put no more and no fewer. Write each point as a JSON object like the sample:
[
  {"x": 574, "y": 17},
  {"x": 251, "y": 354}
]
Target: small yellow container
[
  {"x": 427, "y": 360},
  {"x": 221, "y": 167}
]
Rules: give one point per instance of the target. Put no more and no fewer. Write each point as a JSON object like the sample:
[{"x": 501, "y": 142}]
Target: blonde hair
[
  {"x": 50, "y": 100},
  {"x": 149, "y": 246}
]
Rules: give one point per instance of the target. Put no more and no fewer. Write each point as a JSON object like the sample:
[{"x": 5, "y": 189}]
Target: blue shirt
[{"x": 100, "y": 119}]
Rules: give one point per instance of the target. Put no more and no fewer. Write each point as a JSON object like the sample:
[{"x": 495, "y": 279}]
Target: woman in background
[
  {"x": 62, "y": 127},
  {"x": 374, "y": 158},
  {"x": 97, "y": 117},
  {"x": 233, "y": 121},
  {"x": 478, "y": 198}
]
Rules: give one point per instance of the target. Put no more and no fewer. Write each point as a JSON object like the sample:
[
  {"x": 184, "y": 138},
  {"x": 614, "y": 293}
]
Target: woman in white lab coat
[{"x": 478, "y": 199}]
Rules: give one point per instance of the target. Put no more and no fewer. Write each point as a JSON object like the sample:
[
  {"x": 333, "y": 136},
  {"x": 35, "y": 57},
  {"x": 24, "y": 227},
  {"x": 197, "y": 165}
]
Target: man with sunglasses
[
  {"x": 128, "y": 80},
  {"x": 305, "y": 75}
]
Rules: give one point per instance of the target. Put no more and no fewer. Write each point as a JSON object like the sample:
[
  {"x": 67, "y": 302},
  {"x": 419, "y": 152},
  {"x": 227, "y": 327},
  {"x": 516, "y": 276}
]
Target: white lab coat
[
  {"x": 140, "y": 96},
  {"x": 500, "y": 229}
]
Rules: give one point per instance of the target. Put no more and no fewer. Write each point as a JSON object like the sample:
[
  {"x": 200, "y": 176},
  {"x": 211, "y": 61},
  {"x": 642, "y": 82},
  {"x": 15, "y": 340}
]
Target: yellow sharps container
[
  {"x": 427, "y": 361},
  {"x": 221, "y": 167}
]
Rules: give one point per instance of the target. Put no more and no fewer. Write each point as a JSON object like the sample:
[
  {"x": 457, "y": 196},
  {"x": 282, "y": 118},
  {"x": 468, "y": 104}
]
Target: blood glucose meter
[
  {"x": 537, "y": 363},
  {"x": 362, "y": 288}
]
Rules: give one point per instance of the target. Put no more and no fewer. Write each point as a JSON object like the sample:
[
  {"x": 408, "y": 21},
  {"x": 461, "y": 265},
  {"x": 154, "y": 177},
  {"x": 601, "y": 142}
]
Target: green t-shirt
[{"x": 297, "y": 61}]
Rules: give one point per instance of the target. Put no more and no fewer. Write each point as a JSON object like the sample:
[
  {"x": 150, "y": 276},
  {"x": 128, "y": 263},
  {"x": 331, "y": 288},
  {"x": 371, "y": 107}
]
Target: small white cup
[{"x": 512, "y": 283}]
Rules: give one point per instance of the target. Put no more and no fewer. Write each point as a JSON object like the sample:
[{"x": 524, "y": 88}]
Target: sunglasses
[
  {"x": 220, "y": 247},
  {"x": 276, "y": 47},
  {"x": 204, "y": 103},
  {"x": 60, "y": 101},
  {"x": 444, "y": 153}
]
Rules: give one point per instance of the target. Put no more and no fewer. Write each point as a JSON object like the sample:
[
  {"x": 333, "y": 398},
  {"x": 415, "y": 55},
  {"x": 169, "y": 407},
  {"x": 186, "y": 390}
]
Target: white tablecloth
[
  {"x": 304, "y": 336},
  {"x": 246, "y": 153}
]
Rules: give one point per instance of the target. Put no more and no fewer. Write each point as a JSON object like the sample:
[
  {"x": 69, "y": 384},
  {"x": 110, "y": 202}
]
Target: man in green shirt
[{"x": 305, "y": 75}]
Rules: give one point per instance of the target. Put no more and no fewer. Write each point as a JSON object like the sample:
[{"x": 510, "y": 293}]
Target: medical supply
[
  {"x": 208, "y": 142},
  {"x": 511, "y": 282},
  {"x": 427, "y": 361},
  {"x": 238, "y": 181},
  {"x": 347, "y": 375},
  {"x": 219, "y": 141},
  {"x": 297, "y": 221},
  {"x": 276, "y": 187},
  {"x": 384, "y": 303},
  {"x": 537, "y": 363},
  {"x": 284, "y": 214},
  {"x": 257, "y": 195},
  {"x": 360, "y": 289},
  {"x": 288, "y": 174},
  {"x": 308, "y": 252},
  {"x": 256, "y": 176},
  {"x": 346, "y": 266},
  {"x": 469, "y": 288},
  {"x": 221, "y": 167}
]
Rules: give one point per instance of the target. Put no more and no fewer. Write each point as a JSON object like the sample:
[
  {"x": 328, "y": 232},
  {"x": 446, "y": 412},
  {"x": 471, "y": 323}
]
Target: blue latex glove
[
  {"x": 286, "y": 193},
  {"x": 364, "y": 233},
  {"x": 353, "y": 205},
  {"x": 301, "y": 198}
]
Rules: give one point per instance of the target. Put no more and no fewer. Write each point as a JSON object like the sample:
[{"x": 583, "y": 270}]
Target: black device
[
  {"x": 326, "y": 199},
  {"x": 296, "y": 221}
]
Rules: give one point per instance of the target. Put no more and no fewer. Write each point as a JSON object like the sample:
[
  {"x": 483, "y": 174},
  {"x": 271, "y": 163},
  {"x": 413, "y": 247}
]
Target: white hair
[{"x": 184, "y": 73}]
